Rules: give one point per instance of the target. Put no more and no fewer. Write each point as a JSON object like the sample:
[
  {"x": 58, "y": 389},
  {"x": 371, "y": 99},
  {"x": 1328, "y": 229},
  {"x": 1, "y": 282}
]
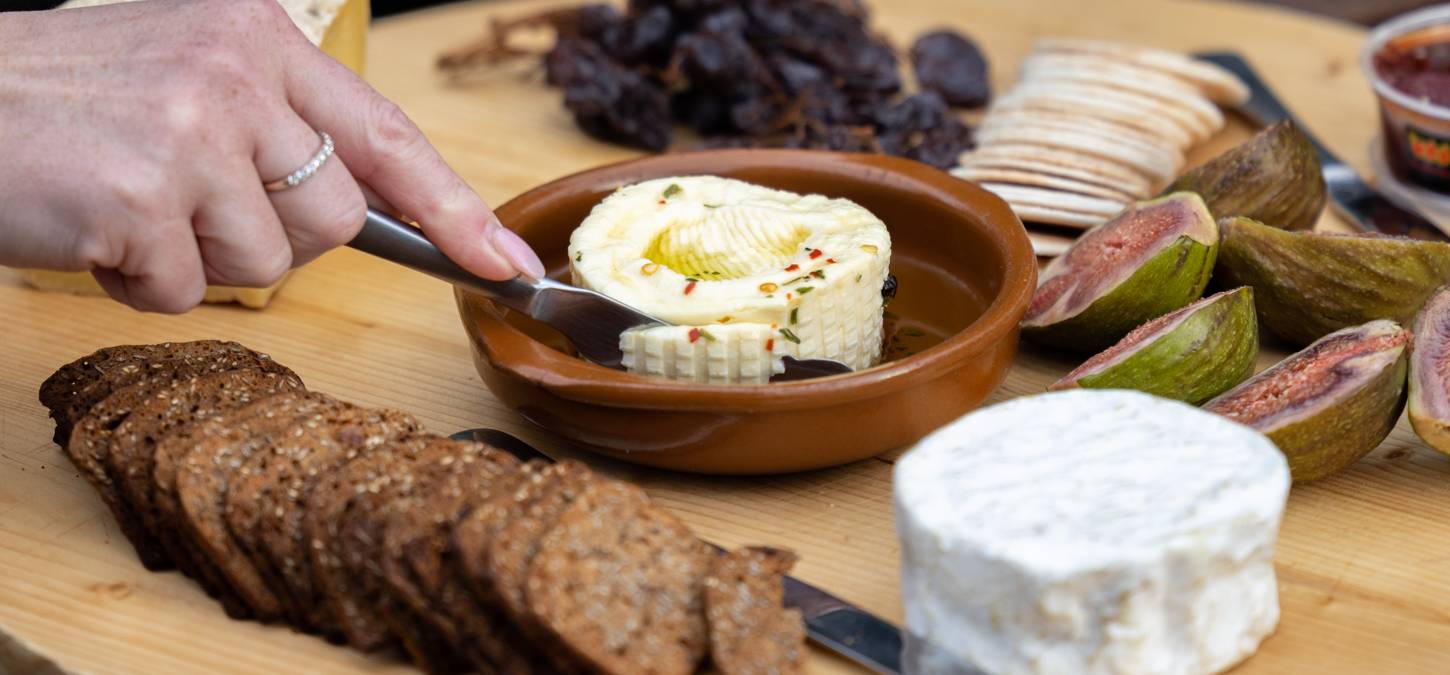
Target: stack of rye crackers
[
  {"x": 1092, "y": 126},
  {"x": 356, "y": 524}
]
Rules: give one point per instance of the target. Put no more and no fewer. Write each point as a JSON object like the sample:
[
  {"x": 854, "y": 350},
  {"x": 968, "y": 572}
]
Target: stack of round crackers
[{"x": 1092, "y": 126}]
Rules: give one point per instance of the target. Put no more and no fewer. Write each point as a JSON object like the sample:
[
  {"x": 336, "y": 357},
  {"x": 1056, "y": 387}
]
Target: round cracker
[
  {"x": 1113, "y": 133},
  {"x": 1206, "y": 123},
  {"x": 1051, "y": 216},
  {"x": 1217, "y": 84},
  {"x": 1048, "y": 245},
  {"x": 1148, "y": 161},
  {"x": 1189, "y": 100},
  {"x": 1059, "y": 162},
  {"x": 1021, "y": 195},
  {"x": 1042, "y": 180},
  {"x": 1169, "y": 124},
  {"x": 988, "y": 168},
  {"x": 1163, "y": 133},
  {"x": 1053, "y": 62}
]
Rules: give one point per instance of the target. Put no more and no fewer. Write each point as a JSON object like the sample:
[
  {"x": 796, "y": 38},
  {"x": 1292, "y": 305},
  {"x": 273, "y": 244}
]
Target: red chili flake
[
  {"x": 694, "y": 334},
  {"x": 689, "y": 287},
  {"x": 815, "y": 254},
  {"x": 770, "y": 344},
  {"x": 663, "y": 202},
  {"x": 793, "y": 267},
  {"x": 787, "y": 296},
  {"x": 830, "y": 261}
]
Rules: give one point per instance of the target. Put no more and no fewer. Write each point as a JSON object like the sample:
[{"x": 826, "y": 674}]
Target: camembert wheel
[{"x": 747, "y": 274}]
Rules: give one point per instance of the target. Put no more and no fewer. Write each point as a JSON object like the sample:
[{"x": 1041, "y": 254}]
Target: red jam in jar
[{"x": 1408, "y": 62}]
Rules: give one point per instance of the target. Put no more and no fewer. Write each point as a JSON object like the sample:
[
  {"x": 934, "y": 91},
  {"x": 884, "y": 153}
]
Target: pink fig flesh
[
  {"x": 1430, "y": 373},
  {"x": 1330, "y": 404}
]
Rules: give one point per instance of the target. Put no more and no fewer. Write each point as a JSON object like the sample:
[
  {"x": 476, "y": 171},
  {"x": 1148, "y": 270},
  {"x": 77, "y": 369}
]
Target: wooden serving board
[{"x": 1363, "y": 557}]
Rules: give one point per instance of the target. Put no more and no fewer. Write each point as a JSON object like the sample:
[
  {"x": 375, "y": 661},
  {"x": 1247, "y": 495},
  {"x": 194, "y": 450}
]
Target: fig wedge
[
  {"x": 1192, "y": 354},
  {"x": 1149, "y": 260},
  {"x": 1274, "y": 178},
  {"x": 1429, "y": 377},
  {"x": 1330, "y": 404},
  {"x": 1308, "y": 285}
]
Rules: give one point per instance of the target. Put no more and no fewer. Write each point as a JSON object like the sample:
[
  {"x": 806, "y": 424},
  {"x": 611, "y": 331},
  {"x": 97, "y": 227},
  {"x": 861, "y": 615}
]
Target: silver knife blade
[
  {"x": 831, "y": 622},
  {"x": 1359, "y": 203}
]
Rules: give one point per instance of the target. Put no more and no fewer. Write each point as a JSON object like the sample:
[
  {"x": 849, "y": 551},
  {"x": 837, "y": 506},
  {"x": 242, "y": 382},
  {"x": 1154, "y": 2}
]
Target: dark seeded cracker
[
  {"x": 123, "y": 388},
  {"x": 618, "y": 582},
  {"x": 751, "y": 633},
  {"x": 496, "y": 643},
  {"x": 133, "y": 443},
  {"x": 415, "y": 537},
  {"x": 496, "y": 566},
  {"x": 203, "y": 475},
  {"x": 350, "y": 569},
  {"x": 70, "y": 392},
  {"x": 266, "y": 501}
]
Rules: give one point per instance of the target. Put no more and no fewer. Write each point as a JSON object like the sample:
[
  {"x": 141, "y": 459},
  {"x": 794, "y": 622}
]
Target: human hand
[{"x": 138, "y": 137}]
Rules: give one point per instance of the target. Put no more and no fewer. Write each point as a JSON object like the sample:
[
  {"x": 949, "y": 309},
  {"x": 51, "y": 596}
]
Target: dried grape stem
[{"x": 492, "y": 48}]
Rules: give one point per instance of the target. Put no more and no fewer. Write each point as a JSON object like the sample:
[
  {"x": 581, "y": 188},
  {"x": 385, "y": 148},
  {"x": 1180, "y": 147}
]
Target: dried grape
[
  {"x": 950, "y": 65},
  {"x": 750, "y": 73}
]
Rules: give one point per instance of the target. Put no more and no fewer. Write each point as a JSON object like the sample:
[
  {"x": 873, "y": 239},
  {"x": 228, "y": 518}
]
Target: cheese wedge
[
  {"x": 339, "y": 28},
  {"x": 1086, "y": 532},
  {"x": 748, "y": 274}
]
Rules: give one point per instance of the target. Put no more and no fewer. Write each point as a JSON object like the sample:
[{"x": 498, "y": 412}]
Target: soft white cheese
[
  {"x": 1089, "y": 531},
  {"x": 772, "y": 273}
]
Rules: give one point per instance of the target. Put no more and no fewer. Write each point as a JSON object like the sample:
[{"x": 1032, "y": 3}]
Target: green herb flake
[
  {"x": 785, "y": 333},
  {"x": 691, "y": 279},
  {"x": 712, "y": 206},
  {"x": 672, "y": 190},
  {"x": 804, "y": 290},
  {"x": 706, "y": 334},
  {"x": 793, "y": 312},
  {"x": 819, "y": 274},
  {"x": 578, "y": 256},
  {"x": 858, "y": 278}
]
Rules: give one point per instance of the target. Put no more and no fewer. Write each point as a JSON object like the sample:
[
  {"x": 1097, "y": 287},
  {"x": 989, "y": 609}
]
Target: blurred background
[{"x": 1366, "y": 12}]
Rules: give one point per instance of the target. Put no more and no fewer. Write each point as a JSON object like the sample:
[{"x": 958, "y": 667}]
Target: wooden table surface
[{"x": 1363, "y": 557}]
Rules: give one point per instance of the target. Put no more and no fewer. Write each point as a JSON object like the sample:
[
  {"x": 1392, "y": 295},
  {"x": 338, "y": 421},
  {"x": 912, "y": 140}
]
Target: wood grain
[{"x": 1362, "y": 557}]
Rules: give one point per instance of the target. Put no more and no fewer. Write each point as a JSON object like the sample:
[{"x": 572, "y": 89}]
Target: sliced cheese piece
[
  {"x": 1085, "y": 532},
  {"x": 747, "y": 274}
]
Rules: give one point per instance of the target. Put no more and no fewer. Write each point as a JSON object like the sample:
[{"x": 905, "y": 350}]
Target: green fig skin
[
  {"x": 1348, "y": 423},
  {"x": 1169, "y": 280},
  {"x": 1429, "y": 380},
  {"x": 1274, "y": 178},
  {"x": 1309, "y": 285},
  {"x": 1209, "y": 350}
]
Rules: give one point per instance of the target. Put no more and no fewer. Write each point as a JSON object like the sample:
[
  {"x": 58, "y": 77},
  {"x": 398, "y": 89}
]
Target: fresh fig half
[
  {"x": 1330, "y": 404},
  {"x": 1151, "y": 259},
  {"x": 1308, "y": 285},
  {"x": 1273, "y": 178},
  {"x": 1192, "y": 354},
  {"x": 1429, "y": 377}
]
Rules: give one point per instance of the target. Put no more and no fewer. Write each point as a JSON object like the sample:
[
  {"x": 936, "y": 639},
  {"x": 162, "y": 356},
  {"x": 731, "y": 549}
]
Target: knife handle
[
  {"x": 394, "y": 240},
  {"x": 1263, "y": 107}
]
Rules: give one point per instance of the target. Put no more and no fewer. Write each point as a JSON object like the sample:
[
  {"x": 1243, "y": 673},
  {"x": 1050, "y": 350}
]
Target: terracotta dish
[{"x": 966, "y": 273}]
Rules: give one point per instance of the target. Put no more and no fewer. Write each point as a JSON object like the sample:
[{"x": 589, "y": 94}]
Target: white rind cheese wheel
[
  {"x": 1092, "y": 531},
  {"x": 748, "y": 274}
]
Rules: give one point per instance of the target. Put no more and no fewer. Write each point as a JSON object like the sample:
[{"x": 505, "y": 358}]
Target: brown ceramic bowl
[{"x": 966, "y": 273}]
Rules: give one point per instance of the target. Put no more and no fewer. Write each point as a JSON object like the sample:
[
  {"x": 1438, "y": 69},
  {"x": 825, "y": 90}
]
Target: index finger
[{"x": 385, "y": 150}]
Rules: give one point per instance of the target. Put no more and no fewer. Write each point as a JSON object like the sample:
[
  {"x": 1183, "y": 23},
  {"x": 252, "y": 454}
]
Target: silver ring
[{"x": 301, "y": 175}]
